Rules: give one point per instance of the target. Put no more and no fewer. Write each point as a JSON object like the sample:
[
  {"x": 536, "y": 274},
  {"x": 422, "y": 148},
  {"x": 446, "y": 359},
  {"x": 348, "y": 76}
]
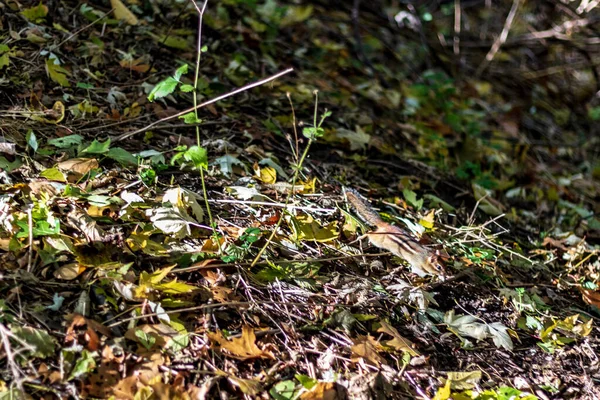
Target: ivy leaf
[
  {"x": 411, "y": 198},
  {"x": 84, "y": 364},
  {"x": 227, "y": 162}
]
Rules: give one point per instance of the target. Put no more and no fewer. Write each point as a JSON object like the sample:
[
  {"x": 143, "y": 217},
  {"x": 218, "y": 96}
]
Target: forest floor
[{"x": 150, "y": 251}]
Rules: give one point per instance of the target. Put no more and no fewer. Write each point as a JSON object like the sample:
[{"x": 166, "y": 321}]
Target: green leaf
[
  {"x": 180, "y": 71},
  {"x": 313, "y": 133},
  {"x": 306, "y": 381},
  {"x": 411, "y": 198},
  {"x": 175, "y": 42},
  {"x": 35, "y": 14},
  {"x": 4, "y": 60},
  {"x": 174, "y": 287},
  {"x": 227, "y": 162},
  {"x": 198, "y": 156},
  {"x": 66, "y": 142},
  {"x": 163, "y": 88},
  {"x": 97, "y": 147},
  {"x": 54, "y": 174},
  {"x": 31, "y": 140},
  {"x": 186, "y": 88},
  {"x": 43, "y": 345},
  {"x": 204, "y": 49},
  {"x": 122, "y": 156},
  {"x": 285, "y": 390},
  {"x": 145, "y": 339},
  {"x": 190, "y": 118},
  {"x": 10, "y": 166},
  {"x": 83, "y": 85},
  {"x": 84, "y": 364}
]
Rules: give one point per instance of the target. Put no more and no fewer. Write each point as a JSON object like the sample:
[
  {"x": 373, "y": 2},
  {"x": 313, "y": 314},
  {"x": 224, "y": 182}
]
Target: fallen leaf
[
  {"x": 121, "y": 12},
  {"x": 325, "y": 391},
  {"x": 367, "y": 348},
  {"x": 399, "y": 343},
  {"x": 242, "y": 348},
  {"x": 78, "y": 166}
]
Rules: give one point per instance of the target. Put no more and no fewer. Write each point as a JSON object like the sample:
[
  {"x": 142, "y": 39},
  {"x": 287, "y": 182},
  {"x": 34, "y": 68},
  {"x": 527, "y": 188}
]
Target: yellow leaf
[
  {"x": 51, "y": 116},
  {"x": 57, "y": 73},
  {"x": 123, "y": 13},
  {"x": 174, "y": 287},
  {"x": 156, "y": 276},
  {"x": 443, "y": 393},
  {"x": 464, "y": 380},
  {"x": 428, "y": 220},
  {"x": 69, "y": 272},
  {"x": 268, "y": 175},
  {"x": 306, "y": 228}
]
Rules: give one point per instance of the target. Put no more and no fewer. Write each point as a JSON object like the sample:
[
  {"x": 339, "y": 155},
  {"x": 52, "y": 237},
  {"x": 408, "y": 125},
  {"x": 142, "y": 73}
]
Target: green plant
[{"x": 312, "y": 133}]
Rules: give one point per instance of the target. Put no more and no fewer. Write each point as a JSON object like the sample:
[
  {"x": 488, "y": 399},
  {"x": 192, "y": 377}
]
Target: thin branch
[
  {"x": 501, "y": 39},
  {"x": 206, "y": 103}
]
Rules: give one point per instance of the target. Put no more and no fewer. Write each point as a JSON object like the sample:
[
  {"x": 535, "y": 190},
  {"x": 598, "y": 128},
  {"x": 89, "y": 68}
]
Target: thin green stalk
[
  {"x": 287, "y": 200},
  {"x": 195, "y": 95},
  {"x": 311, "y": 139}
]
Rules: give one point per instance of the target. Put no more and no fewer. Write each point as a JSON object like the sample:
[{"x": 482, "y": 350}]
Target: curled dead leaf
[{"x": 242, "y": 348}]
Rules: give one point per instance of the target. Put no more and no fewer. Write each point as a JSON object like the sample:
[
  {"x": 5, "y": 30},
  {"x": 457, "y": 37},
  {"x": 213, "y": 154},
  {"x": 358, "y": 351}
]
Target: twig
[
  {"x": 265, "y": 203},
  {"x": 206, "y": 103},
  {"x": 457, "y": 16},
  {"x": 501, "y": 39}
]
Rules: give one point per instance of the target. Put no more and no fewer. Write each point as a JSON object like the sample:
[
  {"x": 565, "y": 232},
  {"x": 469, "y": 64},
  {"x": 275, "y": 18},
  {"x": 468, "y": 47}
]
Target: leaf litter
[{"x": 153, "y": 265}]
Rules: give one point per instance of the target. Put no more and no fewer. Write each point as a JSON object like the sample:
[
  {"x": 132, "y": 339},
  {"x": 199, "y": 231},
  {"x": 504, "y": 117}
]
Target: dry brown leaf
[
  {"x": 163, "y": 334},
  {"x": 325, "y": 391},
  {"x": 242, "y": 348},
  {"x": 86, "y": 224},
  {"x": 367, "y": 348},
  {"x": 223, "y": 294},
  {"x": 399, "y": 343},
  {"x": 85, "y": 331},
  {"x": 209, "y": 246},
  {"x": 78, "y": 166},
  {"x": 69, "y": 272}
]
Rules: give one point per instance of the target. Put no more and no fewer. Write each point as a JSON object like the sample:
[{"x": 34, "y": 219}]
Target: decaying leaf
[
  {"x": 123, "y": 13},
  {"x": 464, "y": 380},
  {"x": 398, "y": 342},
  {"x": 78, "y": 166},
  {"x": 85, "y": 331},
  {"x": 242, "y": 348},
  {"x": 367, "y": 348},
  {"x": 325, "y": 391},
  {"x": 468, "y": 325}
]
